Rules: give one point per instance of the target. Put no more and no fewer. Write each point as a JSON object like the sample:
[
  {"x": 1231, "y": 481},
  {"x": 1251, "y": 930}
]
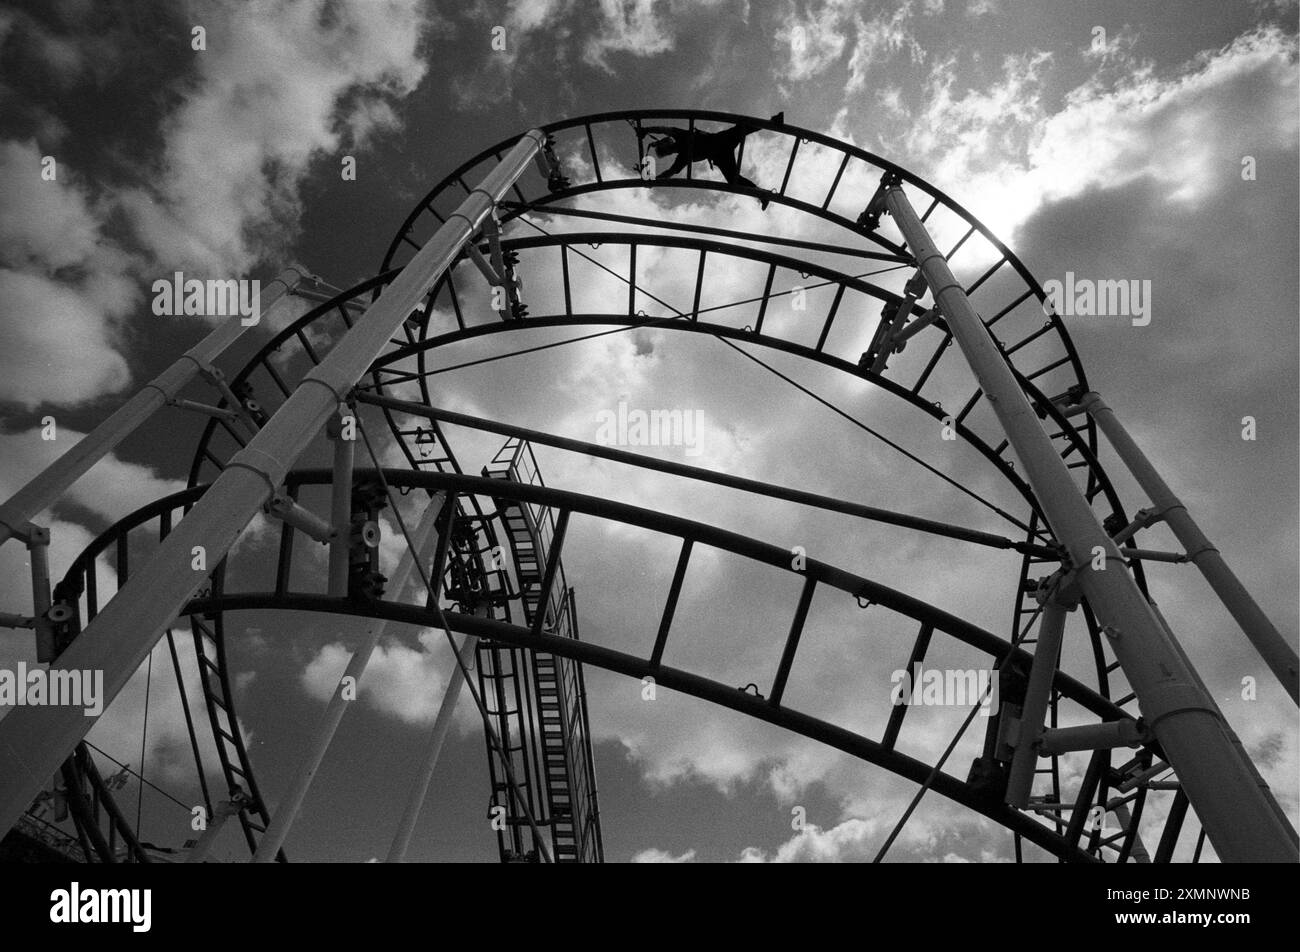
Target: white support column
[
  {"x": 420, "y": 787},
  {"x": 1238, "y": 816},
  {"x": 1139, "y": 852},
  {"x": 38, "y": 550},
  {"x": 286, "y": 810},
  {"x": 341, "y": 499},
  {"x": 44, "y": 489},
  {"x": 35, "y": 740},
  {"x": 1268, "y": 641},
  {"x": 225, "y": 809},
  {"x": 1038, "y": 694}
]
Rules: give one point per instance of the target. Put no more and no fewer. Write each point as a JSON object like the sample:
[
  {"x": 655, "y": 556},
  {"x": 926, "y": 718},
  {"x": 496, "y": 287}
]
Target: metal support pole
[
  {"x": 287, "y": 809},
  {"x": 1037, "y": 697},
  {"x": 1240, "y": 819},
  {"x": 882, "y": 346},
  {"x": 484, "y": 267},
  {"x": 1142, "y": 777},
  {"x": 1268, "y": 641},
  {"x": 207, "y": 409},
  {"x": 915, "y": 327},
  {"x": 1173, "y": 826},
  {"x": 1139, "y": 851},
  {"x": 341, "y": 508},
  {"x": 44, "y": 489},
  {"x": 38, "y": 550},
  {"x": 503, "y": 272},
  {"x": 1242, "y": 755},
  {"x": 217, "y": 379},
  {"x": 282, "y": 506},
  {"x": 216, "y": 823},
  {"x": 35, "y": 739},
  {"x": 1151, "y": 555},
  {"x": 420, "y": 788},
  {"x": 1103, "y": 736}
]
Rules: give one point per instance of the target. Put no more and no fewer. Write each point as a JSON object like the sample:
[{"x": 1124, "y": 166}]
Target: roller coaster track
[{"x": 526, "y": 665}]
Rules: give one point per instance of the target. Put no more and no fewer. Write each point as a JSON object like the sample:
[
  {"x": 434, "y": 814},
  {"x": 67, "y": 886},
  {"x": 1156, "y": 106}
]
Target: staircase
[{"x": 562, "y": 740}]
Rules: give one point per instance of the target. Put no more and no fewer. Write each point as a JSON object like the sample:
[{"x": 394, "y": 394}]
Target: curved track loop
[{"x": 423, "y": 445}]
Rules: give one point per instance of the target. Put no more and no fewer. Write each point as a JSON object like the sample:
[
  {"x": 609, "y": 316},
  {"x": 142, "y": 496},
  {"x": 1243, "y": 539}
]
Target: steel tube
[
  {"x": 38, "y": 549},
  {"x": 1242, "y": 755},
  {"x": 420, "y": 787},
  {"x": 915, "y": 327},
  {"x": 216, "y": 823},
  {"x": 44, "y": 489},
  {"x": 1268, "y": 641},
  {"x": 1153, "y": 555},
  {"x": 291, "y": 803},
  {"x": 283, "y": 507},
  {"x": 1037, "y": 696},
  {"x": 1139, "y": 853},
  {"x": 1103, "y": 736},
  {"x": 34, "y": 740},
  {"x": 341, "y": 509},
  {"x": 1236, "y": 813}
]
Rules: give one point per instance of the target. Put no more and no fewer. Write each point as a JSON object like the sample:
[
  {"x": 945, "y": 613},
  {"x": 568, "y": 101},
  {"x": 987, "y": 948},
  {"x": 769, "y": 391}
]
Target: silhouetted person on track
[{"x": 717, "y": 148}]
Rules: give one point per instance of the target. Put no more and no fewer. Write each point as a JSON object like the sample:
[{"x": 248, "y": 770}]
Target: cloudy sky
[{"x": 1118, "y": 140}]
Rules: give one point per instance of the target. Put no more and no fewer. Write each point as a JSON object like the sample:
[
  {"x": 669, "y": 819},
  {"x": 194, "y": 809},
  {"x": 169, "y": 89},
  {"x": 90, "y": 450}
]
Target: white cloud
[
  {"x": 44, "y": 225},
  {"x": 400, "y": 681},
  {"x": 817, "y": 36},
  {"x": 628, "y": 27},
  {"x": 278, "y": 86},
  {"x": 62, "y": 285},
  {"x": 858, "y": 841},
  {"x": 542, "y": 36},
  {"x": 1007, "y": 155},
  {"x": 270, "y": 98},
  {"x": 878, "y": 39},
  {"x": 528, "y": 15},
  {"x": 112, "y": 488},
  {"x": 654, "y": 855},
  {"x": 814, "y": 38},
  {"x": 57, "y": 345}
]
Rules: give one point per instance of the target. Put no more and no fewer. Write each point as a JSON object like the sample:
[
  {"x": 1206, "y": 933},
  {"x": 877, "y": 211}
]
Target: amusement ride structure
[{"x": 482, "y": 562}]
